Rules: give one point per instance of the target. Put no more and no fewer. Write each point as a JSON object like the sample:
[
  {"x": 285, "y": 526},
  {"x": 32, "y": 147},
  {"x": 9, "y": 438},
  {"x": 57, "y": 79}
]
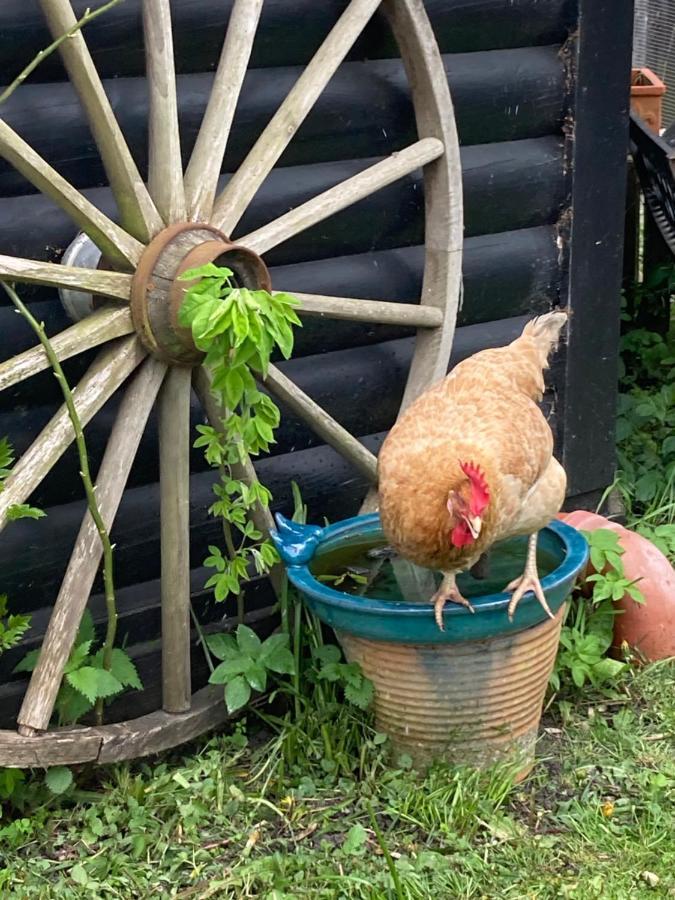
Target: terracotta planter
[
  {"x": 476, "y": 703},
  {"x": 646, "y": 97},
  {"x": 649, "y": 627},
  {"x": 471, "y": 694}
]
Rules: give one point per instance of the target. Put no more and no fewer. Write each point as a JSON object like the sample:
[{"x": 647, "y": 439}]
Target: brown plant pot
[
  {"x": 646, "y": 97},
  {"x": 475, "y": 703}
]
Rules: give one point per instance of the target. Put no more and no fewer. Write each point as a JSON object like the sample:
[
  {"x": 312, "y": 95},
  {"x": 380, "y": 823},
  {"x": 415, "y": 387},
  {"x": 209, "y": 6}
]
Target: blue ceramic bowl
[{"x": 413, "y": 623}]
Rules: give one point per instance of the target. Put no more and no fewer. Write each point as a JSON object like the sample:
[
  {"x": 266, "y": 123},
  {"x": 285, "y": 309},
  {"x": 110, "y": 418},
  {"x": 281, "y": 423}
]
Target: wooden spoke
[
  {"x": 165, "y": 165},
  {"x": 116, "y": 245},
  {"x": 343, "y": 195},
  {"x": 320, "y": 422},
  {"x": 99, "y": 383},
  {"x": 38, "y": 703},
  {"x": 102, "y": 326},
  {"x": 31, "y": 271},
  {"x": 241, "y": 188},
  {"x": 137, "y": 212},
  {"x": 201, "y": 177},
  {"x": 174, "y": 475},
  {"x": 378, "y": 312}
]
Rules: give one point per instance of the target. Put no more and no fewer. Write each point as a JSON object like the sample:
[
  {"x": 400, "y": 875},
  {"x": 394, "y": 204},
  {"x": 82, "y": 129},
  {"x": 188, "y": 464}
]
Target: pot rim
[{"x": 298, "y": 545}]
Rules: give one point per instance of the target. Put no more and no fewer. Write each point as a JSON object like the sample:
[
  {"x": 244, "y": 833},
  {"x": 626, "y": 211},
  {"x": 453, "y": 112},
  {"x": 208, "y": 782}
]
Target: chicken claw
[
  {"x": 448, "y": 592},
  {"x": 528, "y": 581}
]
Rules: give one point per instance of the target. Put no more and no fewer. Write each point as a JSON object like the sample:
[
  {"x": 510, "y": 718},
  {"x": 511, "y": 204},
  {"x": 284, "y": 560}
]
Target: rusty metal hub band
[{"x": 157, "y": 292}]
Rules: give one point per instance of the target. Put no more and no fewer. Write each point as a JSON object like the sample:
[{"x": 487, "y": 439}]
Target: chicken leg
[
  {"x": 528, "y": 581},
  {"x": 448, "y": 592}
]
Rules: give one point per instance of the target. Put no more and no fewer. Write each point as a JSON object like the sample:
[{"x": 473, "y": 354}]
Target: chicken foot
[
  {"x": 528, "y": 581},
  {"x": 448, "y": 592}
]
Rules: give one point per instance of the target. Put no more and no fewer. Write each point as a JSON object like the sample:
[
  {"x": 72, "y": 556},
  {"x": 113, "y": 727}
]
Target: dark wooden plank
[
  {"x": 117, "y": 48},
  {"x": 598, "y": 158},
  {"x": 365, "y": 111},
  {"x": 507, "y": 186}
]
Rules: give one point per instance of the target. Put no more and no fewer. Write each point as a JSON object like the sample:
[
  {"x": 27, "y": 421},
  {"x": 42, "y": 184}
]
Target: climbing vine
[{"x": 238, "y": 330}]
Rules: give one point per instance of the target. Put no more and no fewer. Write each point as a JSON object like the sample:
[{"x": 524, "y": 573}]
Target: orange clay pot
[
  {"x": 646, "y": 97},
  {"x": 649, "y": 627}
]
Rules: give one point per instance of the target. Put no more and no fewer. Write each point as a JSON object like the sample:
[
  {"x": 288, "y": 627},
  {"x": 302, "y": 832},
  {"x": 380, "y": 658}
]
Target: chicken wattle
[{"x": 471, "y": 462}]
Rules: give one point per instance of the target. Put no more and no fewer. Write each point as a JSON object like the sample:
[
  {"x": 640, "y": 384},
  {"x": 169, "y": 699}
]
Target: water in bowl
[{"x": 363, "y": 569}]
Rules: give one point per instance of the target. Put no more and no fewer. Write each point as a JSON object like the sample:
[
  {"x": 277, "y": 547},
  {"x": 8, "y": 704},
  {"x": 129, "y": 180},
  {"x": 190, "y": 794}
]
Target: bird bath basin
[{"x": 471, "y": 694}]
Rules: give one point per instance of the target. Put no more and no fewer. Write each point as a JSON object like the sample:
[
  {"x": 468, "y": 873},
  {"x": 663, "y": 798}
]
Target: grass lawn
[{"x": 231, "y": 818}]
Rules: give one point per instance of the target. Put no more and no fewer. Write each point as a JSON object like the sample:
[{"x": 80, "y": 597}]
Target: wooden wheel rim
[{"x": 173, "y": 205}]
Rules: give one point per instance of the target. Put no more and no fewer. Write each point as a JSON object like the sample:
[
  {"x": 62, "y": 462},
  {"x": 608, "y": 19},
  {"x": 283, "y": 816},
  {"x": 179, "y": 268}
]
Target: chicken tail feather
[
  {"x": 546, "y": 330},
  {"x": 539, "y": 338}
]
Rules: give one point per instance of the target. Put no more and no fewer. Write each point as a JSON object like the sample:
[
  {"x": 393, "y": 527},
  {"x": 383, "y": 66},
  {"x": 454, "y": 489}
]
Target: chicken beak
[{"x": 475, "y": 524}]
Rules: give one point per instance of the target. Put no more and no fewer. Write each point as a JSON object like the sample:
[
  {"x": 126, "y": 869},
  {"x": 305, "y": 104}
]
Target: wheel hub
[{"x": 156, "y": 291}]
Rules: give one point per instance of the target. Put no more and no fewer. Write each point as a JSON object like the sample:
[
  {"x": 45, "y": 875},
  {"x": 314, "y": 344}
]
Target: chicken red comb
[{"x": 480, "y": 492}]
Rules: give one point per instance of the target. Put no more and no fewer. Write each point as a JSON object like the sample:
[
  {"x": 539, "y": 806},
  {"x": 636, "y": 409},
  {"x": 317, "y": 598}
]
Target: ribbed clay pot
[{"x": 471, "y": 694}]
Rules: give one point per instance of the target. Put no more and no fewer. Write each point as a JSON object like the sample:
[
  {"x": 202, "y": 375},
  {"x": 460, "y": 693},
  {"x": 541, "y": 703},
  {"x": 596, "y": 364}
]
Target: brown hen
[{"x": 471, "y": 462}]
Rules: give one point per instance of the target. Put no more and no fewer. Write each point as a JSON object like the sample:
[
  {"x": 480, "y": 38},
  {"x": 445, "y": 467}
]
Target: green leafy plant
[
  {"x": 87, "y": 680},
  {"x": 246, "y": 662},
  {"x": 587, "y": 633},
  {"x": 16, "y": 510},
  {"x": 12, "y": 627},
  {"x": 328, "y": 666},
  {"x": 98, "y": 686},
  {"x": 645, "y": 476},
  {"x": 238, "y": 330}
]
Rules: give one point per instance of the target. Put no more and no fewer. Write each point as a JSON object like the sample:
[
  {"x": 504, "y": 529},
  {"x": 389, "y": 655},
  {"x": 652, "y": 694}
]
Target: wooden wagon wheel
[{"x": 178, "y": 220}]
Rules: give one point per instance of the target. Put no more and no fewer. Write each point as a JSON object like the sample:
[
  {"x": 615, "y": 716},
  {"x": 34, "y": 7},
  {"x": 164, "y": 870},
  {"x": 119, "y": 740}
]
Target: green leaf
[
  {"x": 206, "y": 271},
  {"x": 6, "y": 459},
  {"x": 106, "y": 684},
  {"x": 124, "y": 670},
  {"x": 578, "y": 674},
  {"x": 24, "y": 511},
  {"x": 328, "y": 653},
  {"x": 79, "y": 875},
  {"x": 94, "y": 683},
  {"x": 271, "y": 646},
  {"x": 85, "y": 680},
  {"x": 58, "y": 779},
  {"x": 237, "y": 694},
  {"x": 354, "y": 843},
  {"x": 248, "y": 641},
  {"x": 77, "y": 657},
  {"x": 223, "y": 646},
  {"x": 28, "y": 663},
  {"x": 256, "y": 676},
  {"x": 86, "y": 631},
  {"x": 606, "y": 670},
  {"x": 234, "y": 387},
  {"x": 330, "y": 672},
  {"x": 229, "y": 669},
  {"x": 361, "y": 695},
  {"x": 71, "y": 705},
  {"x": 281, "y": 662}
]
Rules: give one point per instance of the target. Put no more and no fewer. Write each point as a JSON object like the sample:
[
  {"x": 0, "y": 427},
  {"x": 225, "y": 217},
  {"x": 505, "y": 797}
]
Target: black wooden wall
[{"x": 540, "y": 90}]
